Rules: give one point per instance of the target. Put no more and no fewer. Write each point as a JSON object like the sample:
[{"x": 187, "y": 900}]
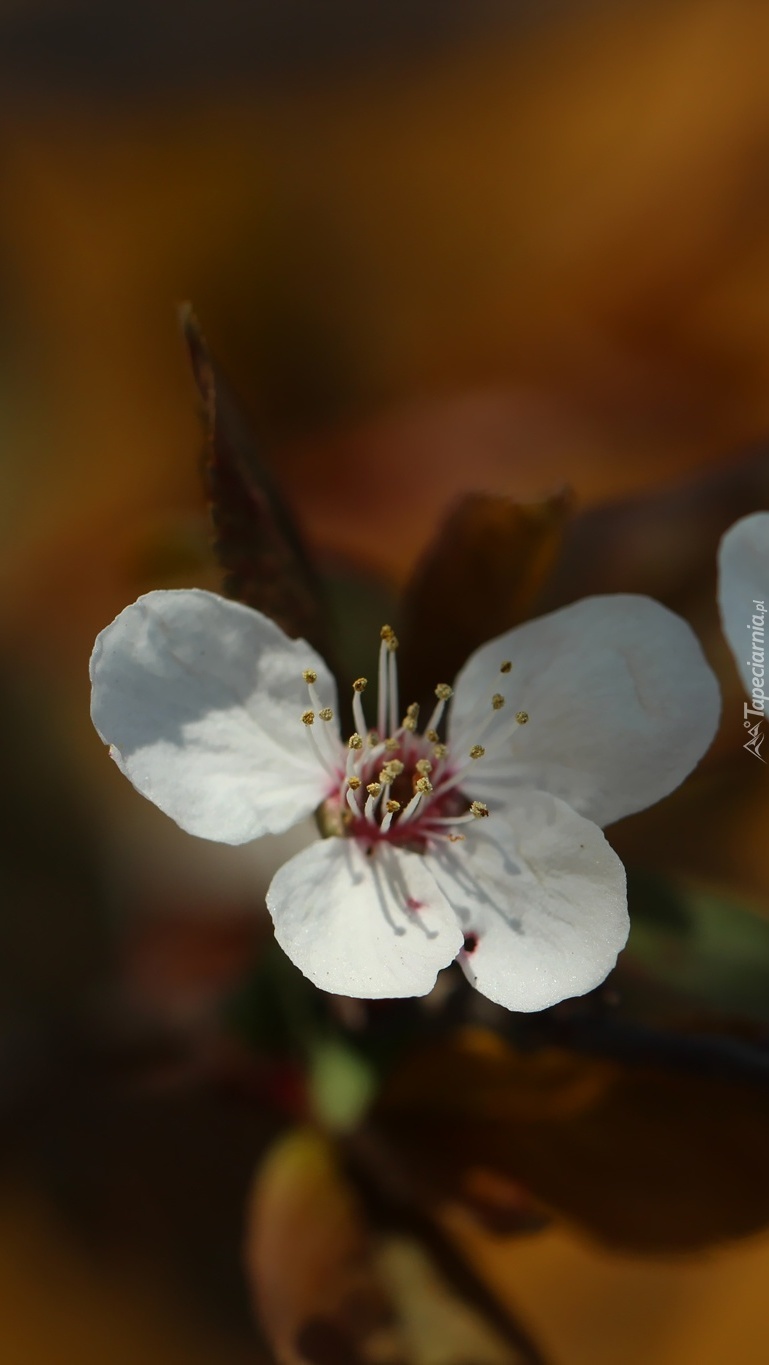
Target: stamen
[
  {"x": 353, "y": 783},
  {"x": 477, "y": 751},
  {"x": 392, "y": 679},
  {"x": 506, "y": 666},
  {"x": 354, "y": 746},
  {"x": 440, "y": 751},
  {"x": 432, "y": 735},
  {"x": 501, "y": 732},
  {"x": 388, "y": 681},
  {"x": 357, "y": 705},
  {"x": 374, "y": 790},
  {"x": 505, "y": 732},
  {"x": 422, "y": 787},
  {"x": 382, "y": 699},
  {"x": 424, "y": 766},
  {"x": 326, "y": 713},
  {"x": 309, "y": 675},
  {"x": 477, "y": 811},
  {"x": 391, "y": 745},
  {"x": 392, "y": 807},
  {"x": 352, "y": 803},
  {"x": 442, "y": 692},
  {"x": 411, "y": 717},
  {"x": 390, "y": 771},
  {"x": 326, "y": 762}
]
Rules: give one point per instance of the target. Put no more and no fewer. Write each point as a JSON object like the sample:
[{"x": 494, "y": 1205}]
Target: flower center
[{"x": 397, "y": 782}]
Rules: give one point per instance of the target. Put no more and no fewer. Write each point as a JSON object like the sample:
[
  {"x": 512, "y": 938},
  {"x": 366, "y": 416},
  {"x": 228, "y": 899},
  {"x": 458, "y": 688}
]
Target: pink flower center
[{"x": 396, "y": 782}]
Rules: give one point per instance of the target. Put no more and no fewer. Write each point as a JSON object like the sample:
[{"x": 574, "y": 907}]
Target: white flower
[
  {"x": 484, "y": 845},
  {"x": 743, "y": 589}
]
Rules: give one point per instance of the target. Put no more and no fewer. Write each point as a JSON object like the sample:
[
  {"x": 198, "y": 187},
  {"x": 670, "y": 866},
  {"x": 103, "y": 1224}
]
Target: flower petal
[
  {"x": 201, "y": 701},
  {"x": 374, "y": 926},
  {"x": 620, "y": 700},
  {"x": 541, "y": 896},
  {"x": 743, "y": 580}
]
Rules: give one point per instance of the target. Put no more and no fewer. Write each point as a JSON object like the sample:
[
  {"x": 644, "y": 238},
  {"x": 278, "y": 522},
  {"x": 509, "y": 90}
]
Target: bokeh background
[{"x": 437, "y": 247}]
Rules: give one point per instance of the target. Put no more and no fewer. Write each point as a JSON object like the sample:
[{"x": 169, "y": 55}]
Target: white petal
[
  {"x": 370, "y": 926},
  {"x": 743, "y": 581},
  {"x": 621, "y": 707},
  {"x": 201, "y": 701},
  {"x": 544, "y": 893}
]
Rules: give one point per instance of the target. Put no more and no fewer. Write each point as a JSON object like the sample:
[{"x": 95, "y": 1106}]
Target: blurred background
[{"x": 512, "y": 247}]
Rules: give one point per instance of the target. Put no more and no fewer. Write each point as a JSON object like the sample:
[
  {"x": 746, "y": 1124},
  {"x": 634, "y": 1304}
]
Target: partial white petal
[
  {"x": 371, "y": 926},
  {"x": 743, "y": 592},
  {"x": 621, "y": 707},
  {"x": 201, "y": 701},
  {"x": 544, "y": 893}
]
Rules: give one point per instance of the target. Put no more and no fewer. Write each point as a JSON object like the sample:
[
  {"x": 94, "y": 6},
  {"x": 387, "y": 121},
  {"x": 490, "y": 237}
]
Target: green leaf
[{"x": 696, "y": 946}]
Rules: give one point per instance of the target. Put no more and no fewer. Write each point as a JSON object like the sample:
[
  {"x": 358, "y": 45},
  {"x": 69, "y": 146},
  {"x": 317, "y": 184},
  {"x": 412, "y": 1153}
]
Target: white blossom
[
  {"x": 743, "y": 592},
  {"x": 472, "y": 832}
]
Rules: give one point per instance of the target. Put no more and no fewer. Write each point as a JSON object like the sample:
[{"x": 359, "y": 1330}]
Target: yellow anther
[
  {"x": 391, "y": 745},
  {"x": 326, "y": 713},
  {"x": 424, "y": 766},
  {"x": 309, "y": 675},
  {"x": 506, "y": 666},
  {"x": 374, "y": 788},
  {"x": 355, "y": 741},
  {"x": 497, "y": 701},
  {"x": 391, "y": 770},
  {"x": 392, "y": 807},
  {"x": 409, "y": 723},
  {"x": 456, "y": 838},
  {"x": 390, "y": 638},
  {"x": 432, "y": 735},
  {"x": 440, "y": 751},
  {"x": 308, "y": 717},
  {"x": 413, "y": 710},
  {"x": 443, "y": 691},
  {"x": 353, "y": 783},
  {"x": 423, "y": 785},
  {"x": 372, "y": 739},
  {"x": 479, "y": 810},
  {"x": 360, "y": 685},
  {"x": 477, "y": 751},
  {"x": 522, "y": 717}
]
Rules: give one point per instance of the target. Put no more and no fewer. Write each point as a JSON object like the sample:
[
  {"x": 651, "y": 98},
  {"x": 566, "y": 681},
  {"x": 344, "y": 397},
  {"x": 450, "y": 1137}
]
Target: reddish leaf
[
  {"x": 307, "y": 1258},
  {"x": 257, "y": 544},
  {"x": 644, "y": 1159},
  {"x": 331, "y": 1290},
  {"x": 479, "y": 577}
]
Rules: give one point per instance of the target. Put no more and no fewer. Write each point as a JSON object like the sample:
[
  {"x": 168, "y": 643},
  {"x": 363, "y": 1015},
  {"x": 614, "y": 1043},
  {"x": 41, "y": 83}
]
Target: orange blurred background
[{"x": 514, "y": 254}]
